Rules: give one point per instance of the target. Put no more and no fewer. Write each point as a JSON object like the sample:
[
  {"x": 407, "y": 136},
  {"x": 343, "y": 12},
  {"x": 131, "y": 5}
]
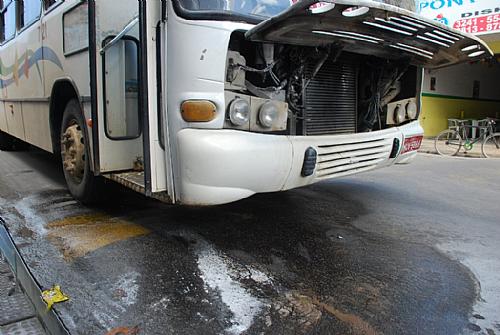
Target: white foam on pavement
[{"x": 218, "y": 274}]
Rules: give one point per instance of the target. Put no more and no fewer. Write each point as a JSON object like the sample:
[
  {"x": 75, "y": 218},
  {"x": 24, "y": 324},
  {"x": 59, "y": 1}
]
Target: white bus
[{"x": 210, "y": 101}]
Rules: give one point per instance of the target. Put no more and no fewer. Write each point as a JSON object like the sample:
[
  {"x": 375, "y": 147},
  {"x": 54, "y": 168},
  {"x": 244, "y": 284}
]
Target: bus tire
[
  {"x": 82, "y": 183},
  {"x": 6, "y": 142}
]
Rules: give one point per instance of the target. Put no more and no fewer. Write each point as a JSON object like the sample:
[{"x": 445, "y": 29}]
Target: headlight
[
  {"x": 239, "y": 111},
  {"x": 411, "y": 110},
  {"x": 268, "y": 114},
  {"x": 399, "y": 114}
]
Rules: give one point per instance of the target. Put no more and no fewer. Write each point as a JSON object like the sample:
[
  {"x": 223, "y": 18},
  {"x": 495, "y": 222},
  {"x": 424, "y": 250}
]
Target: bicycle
[{"x": 449, "y": 142}]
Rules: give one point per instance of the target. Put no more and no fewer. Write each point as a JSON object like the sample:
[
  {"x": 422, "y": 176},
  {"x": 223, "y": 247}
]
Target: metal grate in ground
[
  {"x": 26, "y": 327},
  {"x": 17, "y": 315}
]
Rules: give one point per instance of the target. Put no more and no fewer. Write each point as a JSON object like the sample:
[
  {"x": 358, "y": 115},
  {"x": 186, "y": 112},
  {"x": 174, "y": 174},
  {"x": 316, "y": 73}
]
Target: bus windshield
[
  {"x": 259, "y": 9},
  {"x": 256, "y": 8}
]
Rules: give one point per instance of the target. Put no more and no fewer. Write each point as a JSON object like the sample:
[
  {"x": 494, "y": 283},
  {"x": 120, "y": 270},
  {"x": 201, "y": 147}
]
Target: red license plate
[{"x": 412, "y": 144}]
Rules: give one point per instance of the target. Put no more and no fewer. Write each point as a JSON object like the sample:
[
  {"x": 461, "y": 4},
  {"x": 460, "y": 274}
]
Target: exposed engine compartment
[{"x": 327, "y": 90}]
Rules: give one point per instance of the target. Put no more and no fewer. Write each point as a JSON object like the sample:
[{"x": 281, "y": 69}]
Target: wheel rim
[
  {"x": 447, "y": 143},
  {"x": 491, "y": 147},
  {"x": 73, "y": 152}
]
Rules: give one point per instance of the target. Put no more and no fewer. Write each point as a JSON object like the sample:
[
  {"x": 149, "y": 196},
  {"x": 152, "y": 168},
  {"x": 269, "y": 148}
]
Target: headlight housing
[
  {"x": 268, "y": 114},
  {"x": 245, "y": 112},
  {"x": 411, "y": 110},
  {"x": 239, "y": 112},
  {"x": 399, "y": 114}
]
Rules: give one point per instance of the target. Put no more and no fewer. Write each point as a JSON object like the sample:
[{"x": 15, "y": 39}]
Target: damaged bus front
[{"x": 275, "y": 96}]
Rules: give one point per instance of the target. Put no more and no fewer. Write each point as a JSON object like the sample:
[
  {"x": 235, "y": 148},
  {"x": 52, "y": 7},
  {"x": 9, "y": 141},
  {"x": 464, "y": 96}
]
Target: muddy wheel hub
[{"x": 73, "y": 152}]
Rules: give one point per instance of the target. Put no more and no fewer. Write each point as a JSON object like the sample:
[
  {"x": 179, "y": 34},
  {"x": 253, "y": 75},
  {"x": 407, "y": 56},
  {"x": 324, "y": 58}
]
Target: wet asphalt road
[{"x": 412, "y": 249}]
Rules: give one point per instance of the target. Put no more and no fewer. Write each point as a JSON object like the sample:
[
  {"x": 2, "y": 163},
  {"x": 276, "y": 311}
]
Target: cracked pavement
[{"x": 412, "y": 249}]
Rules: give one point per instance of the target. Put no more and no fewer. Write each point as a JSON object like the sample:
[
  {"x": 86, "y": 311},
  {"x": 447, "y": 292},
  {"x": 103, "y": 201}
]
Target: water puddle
[{"x": 78, "y": 235}]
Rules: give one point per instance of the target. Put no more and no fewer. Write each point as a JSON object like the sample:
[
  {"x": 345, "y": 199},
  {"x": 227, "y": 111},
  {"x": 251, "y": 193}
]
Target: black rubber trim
[
  {"x": 214, "y": 15},
  {"x": 163, "y": 10},
  {"x": 395, "y": 148},
  {"x": 93, "y": 87},
  {"x": 310, "y": 159},
  {"x": 143, "y": 94},
  {"x": 159, "y": 86}
]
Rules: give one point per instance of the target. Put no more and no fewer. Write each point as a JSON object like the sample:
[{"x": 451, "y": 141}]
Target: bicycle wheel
[
  {"x": 448, "y": 143},
  {"x": 491, "y": 146}
]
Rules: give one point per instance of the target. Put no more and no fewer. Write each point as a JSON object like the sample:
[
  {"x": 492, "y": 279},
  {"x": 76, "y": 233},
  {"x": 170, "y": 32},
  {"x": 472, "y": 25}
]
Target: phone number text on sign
[{"x": 488, "y": 23}]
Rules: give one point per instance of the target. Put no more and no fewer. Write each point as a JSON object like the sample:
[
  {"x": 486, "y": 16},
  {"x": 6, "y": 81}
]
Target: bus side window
[
  {"x": 7, "y": 20},
  {"x": 121, "y": 98},
  {"x": 29, "y": 12}
]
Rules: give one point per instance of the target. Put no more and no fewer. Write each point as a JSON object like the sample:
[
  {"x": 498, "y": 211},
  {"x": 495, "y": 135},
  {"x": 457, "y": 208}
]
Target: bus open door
[{"x": 129, "y": 133}]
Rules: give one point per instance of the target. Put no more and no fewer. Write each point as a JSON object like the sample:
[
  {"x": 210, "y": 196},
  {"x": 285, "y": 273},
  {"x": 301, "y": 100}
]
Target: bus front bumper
[{"x": 221, "y": 166}]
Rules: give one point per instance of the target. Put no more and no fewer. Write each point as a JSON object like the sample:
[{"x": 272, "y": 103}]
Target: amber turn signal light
[{"x": 198, "y": 110}]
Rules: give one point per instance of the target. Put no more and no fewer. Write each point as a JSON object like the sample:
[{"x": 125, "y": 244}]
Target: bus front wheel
[{"x": 80, "y": 179}]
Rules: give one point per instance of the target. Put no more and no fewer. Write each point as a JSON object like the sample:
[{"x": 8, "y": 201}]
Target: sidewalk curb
[
  {"x": 50, "y": 319},
  {"x": 427, "y": 147},
  {"x": 435, "y": 154}
]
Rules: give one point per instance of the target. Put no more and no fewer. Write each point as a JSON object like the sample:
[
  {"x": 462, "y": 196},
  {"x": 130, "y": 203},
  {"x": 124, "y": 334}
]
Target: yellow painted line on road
[{"x": 77, "y": 236}]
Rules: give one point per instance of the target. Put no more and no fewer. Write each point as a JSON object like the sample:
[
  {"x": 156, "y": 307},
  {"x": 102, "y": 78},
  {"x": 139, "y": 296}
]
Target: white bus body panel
[
  {"x": 195, "y": 70},
  {"x": 36, "y": 125},
  {"x": 35, "y": 114},
  {"x": 72, "y": 68},
  {"x": 239, "y": 164},
  {"x": 213, "y": 165},
  {"x": 160, "y": 159},
  {"x": 25, "y": 82},
  {"x": 14, "y": 117},
  {"x": 38, "y": 61}
]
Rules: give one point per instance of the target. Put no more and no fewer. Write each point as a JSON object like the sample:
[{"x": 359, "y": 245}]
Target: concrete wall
[
  {"x": 453, "y": 95},
  {"x": 437, "y": 110},
  {"x": 458, "y": 81},
  {"x": 495, "y": 46}
]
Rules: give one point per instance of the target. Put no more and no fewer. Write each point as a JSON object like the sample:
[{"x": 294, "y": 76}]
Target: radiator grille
[
  {"x": 330, "y": 99},
  {"x": 342, "y": 159}
]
